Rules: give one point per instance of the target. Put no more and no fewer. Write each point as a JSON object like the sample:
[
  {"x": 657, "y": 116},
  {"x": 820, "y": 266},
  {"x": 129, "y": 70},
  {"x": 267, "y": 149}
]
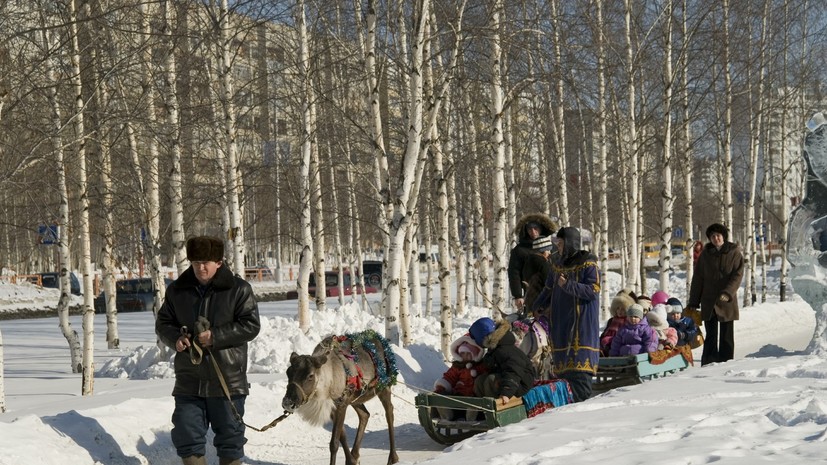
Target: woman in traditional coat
[{"x": 571, "y": 300}]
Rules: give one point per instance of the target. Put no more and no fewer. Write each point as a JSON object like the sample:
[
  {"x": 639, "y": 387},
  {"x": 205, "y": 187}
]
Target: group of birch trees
[{"x": 312, "y": 132}]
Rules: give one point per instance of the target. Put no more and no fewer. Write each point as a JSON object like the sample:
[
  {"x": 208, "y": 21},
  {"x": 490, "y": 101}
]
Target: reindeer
[{"x": 343, "y": 371}]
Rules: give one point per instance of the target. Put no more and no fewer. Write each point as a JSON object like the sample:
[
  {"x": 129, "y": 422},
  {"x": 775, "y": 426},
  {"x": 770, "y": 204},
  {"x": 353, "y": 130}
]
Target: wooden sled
[
  {"x": 491, "y": 415},
  {"x": 614, "y": 372}
]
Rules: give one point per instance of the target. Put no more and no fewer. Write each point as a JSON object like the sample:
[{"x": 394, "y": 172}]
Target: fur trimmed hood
[
  {"x": 547, "y": 226},
  {"x": 619, "y": 301},
  {"x": 475, "y": 349},
  {"x": 502, "y": 329}
]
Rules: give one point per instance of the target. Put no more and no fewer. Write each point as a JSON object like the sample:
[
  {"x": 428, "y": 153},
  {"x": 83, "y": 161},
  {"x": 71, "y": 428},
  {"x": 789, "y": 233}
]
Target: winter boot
[
  {"x": 226, "y": 461},
  {"x": 195, "y": 460}
]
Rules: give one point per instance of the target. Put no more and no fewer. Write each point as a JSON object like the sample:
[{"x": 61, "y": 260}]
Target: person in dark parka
[
  {"x": 510, "y": 371},
  {"x": 208, "y": 312},
  {"x": 527, "y": 266},
  {"x": 714, "y": 290}
]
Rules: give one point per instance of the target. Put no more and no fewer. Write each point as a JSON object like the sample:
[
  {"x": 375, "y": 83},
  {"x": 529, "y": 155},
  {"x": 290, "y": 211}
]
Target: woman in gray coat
[{"x": 714, "y": 289}]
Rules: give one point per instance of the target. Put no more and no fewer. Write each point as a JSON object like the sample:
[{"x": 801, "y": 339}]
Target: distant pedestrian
[{"x": 714, "y": 289}]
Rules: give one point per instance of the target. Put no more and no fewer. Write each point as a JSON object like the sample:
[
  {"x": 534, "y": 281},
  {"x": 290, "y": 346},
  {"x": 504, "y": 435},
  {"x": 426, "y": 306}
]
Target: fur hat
[
  {"x": 634, "y": 310},
  {"x": 205, "y": 249},
  {"x": 629, "y": 292},
  {"x": 717, "y": 228},
  {"x": 644, "y": 302},
  {"x": 620, "y": 301},
  {"x": 657, "y": 317},
  {"x": 675, "y": 304},
  {"x": 659, "y": 297},
  {"x": 542, "y": 244}
]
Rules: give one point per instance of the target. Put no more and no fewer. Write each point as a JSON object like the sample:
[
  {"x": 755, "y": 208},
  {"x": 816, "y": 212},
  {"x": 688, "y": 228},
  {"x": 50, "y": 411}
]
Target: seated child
[
  {"x": 510, "y": 371},
  {"x": 459, "y": 379},
  {"x": 685, "y": 326},
  {"x": 635, "y": 337},
  {"x": 620, "y": 303},
  {"x": 667, "y": 337}
]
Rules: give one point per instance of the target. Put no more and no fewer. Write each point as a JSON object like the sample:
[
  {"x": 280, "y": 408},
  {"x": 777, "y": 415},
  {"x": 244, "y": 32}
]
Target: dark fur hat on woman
[
  {"x": 717, "y": 228},
  {"x": 205, "y": 249}
]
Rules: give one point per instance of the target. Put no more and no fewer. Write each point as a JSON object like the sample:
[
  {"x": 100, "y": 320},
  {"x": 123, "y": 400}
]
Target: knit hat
[
  {"x": 634, "y": 310},
  {"x": 675, "y": 304},
  {"x": 205, "y": 249},
  {"x": 620, "y": 301},
  {"x": 542, "y": 244},
  {"x": 659, "y": 297},
  {"x": 480, "y": 329},
  {"x": 717, "y": 228},
  {"x": 533, "y": 224}
]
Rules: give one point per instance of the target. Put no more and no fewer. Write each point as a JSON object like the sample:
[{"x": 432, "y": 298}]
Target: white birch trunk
[
  {"x": 688, "y": 224},
  {"x": 304, "y": 173},
  {"x": 88, "y": 373},
  {"x": 633, "y": 268},
  {"x": 559, "y": 120},
  {"x": 319, "y": 248},
  {"x": 152, "y": 208},
  {"x": 667, "y": 196},
  {"x": 782, "y": 162},
  {"x": 75, "y": 356},
  {"x": 107, "y": 264},
  {"x": 337, "y": 238},
  {"x": 499, "y": 207},
  {"x": 727, "y": 149},
  {"x": 176, "y": 195},
  {"x": 233, "y": 171},
  {"x": 602, "y": 165}
]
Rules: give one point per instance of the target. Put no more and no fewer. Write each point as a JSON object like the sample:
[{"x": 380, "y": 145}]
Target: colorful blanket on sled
[
  {"x": 660, "y": 356},
  {"x": 545, "y": 395}
]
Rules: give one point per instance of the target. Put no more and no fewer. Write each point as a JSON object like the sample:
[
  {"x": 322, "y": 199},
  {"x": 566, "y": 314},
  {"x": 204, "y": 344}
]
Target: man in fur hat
[
  {"x": 208, "y": 313},
  {"x": 527, "y": 265},
  {"x": 714, "y": 289}
]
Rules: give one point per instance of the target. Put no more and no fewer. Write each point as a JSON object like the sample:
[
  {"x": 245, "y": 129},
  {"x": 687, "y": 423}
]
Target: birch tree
[
  {"x": 497, "y": 143},
  {"x": 62, "y": 223},
  {"x": 601, "y": 163},
  {"x": 667, "y": 196},
  {"x": 632, "y": 158},
  {"x": 727, "y": 136},
  {"x": 304, "y": 169},
  {"x": 233, "y": 171},
  {"x": 686, "y": 147}
]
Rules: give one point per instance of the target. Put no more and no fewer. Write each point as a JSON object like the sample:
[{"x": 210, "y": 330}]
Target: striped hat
[{"x": 542, "y": 244}]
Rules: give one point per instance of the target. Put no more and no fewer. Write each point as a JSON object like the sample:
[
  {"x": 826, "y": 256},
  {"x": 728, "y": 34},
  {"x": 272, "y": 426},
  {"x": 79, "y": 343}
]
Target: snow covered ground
[{"x": 768, "y": 405}]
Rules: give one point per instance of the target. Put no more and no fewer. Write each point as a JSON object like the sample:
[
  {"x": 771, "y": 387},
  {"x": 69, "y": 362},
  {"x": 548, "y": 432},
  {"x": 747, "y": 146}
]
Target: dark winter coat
[
  {"x": 612, "y": 327},
  {"x": 504, "y": 359},
  {"x": 528, "y": 269},
  {"x": 634, "y": 339},
  {"x": 574, "y": 309},
  {"x": 717, "y": 272},
  {"x": 686, "y": 328},
  {"x": 230, "y": 306}
]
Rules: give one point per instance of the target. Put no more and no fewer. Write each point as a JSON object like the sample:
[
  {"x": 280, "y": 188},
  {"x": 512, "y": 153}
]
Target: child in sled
[{"x": 459, "y": 379}]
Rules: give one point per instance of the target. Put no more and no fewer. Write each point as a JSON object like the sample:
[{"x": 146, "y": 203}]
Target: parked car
[
  {"x": 132, "y": 295},
  {"x": 52, "y": 280},
  {"x": 372, "y": 271},
  {"x": 331, "y": 280}
]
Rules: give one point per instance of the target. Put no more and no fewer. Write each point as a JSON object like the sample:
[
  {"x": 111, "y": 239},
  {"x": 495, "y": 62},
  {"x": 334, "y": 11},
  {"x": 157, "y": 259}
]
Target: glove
[{"x": 439, "y": 389}]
